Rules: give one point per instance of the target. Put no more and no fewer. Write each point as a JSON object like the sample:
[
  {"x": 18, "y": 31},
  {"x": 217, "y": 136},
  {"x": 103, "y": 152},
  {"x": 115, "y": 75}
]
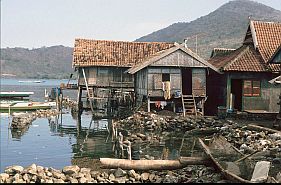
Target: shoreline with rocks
[{"x": 146, "y": 129}]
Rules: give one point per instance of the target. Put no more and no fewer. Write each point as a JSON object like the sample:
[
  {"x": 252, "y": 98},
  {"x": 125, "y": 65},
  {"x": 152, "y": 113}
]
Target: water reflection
[
  {"x": 18, "y": 133},
  {"x": 91, "y": 140}
]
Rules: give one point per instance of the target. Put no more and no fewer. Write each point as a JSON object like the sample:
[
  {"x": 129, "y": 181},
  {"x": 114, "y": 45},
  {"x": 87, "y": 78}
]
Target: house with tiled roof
[
  {"x": 247, "y": 70},
  {"x": 154, "y": 71},
  {"x": 101, "y": 65},
  {"x": 174, "y": 78}
]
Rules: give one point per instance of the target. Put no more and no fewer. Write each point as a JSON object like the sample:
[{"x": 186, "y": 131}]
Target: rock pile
[
  {"x": 147, "y": 121},
  {"x": 47, "y": 113},
  {"x": 74, "y": 174},
  {"x": 22, "y": 120}
]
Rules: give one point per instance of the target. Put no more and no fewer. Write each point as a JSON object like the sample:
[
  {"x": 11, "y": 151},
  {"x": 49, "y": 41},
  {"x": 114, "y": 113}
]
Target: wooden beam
[
  {"x": 86, "y": 83},
  {"x": 126, "y": 164},
  {"x": 259, "y": 128}
]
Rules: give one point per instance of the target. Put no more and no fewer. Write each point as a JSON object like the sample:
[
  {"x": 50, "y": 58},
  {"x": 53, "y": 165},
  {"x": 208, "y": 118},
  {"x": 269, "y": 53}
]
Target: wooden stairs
[{"x": 188, "y": 105}]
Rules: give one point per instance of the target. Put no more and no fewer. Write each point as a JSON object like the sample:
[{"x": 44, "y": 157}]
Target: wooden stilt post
[
  {"x": 88, "y": 92},
  {"x": 79, "y": 102},
  {"x": 129, "y": 150},
  {"x": 148, "y": 104}
]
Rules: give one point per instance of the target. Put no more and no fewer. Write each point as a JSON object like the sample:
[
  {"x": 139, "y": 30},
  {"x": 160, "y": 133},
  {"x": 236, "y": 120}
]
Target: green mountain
[
  {"x": 224, "y": 27},
  {"x": 44, "y": 62}
]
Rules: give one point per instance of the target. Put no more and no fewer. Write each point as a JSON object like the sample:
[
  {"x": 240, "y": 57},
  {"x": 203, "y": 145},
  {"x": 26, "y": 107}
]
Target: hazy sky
[{"x": 37, "y": 23}]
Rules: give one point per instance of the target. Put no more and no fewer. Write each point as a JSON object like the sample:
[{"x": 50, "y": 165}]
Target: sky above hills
[{"x": 37, "y": 23}]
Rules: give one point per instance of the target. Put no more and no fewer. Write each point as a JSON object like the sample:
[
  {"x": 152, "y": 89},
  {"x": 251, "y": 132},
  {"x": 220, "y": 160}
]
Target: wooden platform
[{"x": 259, "y": 112}]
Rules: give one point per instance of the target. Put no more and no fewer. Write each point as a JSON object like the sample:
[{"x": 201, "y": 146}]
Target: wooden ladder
[{"x": 188, "y": 104}]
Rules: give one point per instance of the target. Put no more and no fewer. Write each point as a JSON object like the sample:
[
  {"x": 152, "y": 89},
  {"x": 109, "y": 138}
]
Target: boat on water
[
  {"x": 14, "y": 94},
  {"x": 31, "y": 81},
  {"x": 6, "y": 106}
]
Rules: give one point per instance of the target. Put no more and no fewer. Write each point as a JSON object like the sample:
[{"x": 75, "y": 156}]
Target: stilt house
[
  {"x": 101, "y": 64},
  {"x": 244, "y": 84},
  {"x": 175, "y": 77}
]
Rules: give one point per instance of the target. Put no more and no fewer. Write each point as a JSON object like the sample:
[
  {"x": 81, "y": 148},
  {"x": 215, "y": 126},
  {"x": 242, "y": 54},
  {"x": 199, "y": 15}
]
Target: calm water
[
  {"x": 51, "y": 143},
  {"x": 55, "y": 142}
]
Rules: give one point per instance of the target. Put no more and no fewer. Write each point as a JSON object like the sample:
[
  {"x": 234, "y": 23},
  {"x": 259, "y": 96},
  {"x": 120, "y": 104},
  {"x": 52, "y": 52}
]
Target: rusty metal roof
[{"x": 89, "y": 52}]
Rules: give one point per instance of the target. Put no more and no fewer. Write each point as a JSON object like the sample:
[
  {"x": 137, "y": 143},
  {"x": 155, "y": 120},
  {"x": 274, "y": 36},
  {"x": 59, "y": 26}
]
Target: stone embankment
[
  {"x": 145, "y": 128},
  {"x": 74, "y": 174},
  {"x": 21, "y": 121}
]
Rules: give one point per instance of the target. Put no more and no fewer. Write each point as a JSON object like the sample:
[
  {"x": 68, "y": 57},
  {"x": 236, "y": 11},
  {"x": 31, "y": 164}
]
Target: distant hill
[
  {"x": 44, "y": 62},
  {"x": 224, "y": 27}
]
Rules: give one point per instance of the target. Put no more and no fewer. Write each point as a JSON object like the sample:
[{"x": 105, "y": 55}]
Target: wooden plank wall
[
  {"x": 106, "y": 76},
  {"x": 178, "y": 58}
]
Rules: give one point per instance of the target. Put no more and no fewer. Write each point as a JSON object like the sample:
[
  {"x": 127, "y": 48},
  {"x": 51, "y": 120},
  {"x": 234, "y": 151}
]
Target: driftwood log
[
  {"x": 126, "y": 164},
  {"x": 259, "y": 128},
  {"x": 227, "y": 174}
]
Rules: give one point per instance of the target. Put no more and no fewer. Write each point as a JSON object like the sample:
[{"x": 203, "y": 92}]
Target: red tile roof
[
  {"x": 245, "y": 59},
  {"x": 114, "y": 53},
  {"x": 268, "y": 35},
  {"x": 248, "y": 60}
]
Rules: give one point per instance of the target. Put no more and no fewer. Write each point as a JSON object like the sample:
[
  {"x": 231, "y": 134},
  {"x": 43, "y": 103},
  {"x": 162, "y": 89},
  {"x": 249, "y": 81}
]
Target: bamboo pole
[
  {"x": 88, "y": 92},
  {"x": 245, "y": 157},
  {"x": 126, "y": 164}
]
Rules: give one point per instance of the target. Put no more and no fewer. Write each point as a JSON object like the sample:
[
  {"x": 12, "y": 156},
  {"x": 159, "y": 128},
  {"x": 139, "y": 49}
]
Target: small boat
[
  {"x": 25, "y": 106},
  {"x": 14, "y": 94},
  {"x": 227, "y": 159}
]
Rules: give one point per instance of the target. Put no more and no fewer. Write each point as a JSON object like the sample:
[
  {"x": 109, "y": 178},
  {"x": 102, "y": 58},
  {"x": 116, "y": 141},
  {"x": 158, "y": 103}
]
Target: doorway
[
  {"x": 186, "y": 74},
  {"x": 236, "y": 90}
]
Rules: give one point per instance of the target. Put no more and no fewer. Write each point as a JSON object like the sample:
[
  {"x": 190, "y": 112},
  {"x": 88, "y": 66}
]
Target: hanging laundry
[
  {"x": 158, "y": 104},
  {"x": 167, "y": 90},
  {"x": 163, "y": 104}
]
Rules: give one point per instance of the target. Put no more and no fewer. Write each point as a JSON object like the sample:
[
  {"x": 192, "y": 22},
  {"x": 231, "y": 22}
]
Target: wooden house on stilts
[
  {"x": 164, "y": 74},
  {"x": 101, "y": 64},
  {"x": 175, "y": 77}
]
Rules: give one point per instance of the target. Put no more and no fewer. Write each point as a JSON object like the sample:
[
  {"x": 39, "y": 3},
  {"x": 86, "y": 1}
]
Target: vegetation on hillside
[
  {"x": 44, "y": 62},
  {"x": 224, "y": 27}
]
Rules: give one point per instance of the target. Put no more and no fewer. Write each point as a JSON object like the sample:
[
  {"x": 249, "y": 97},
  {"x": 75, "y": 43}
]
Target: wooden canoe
[{"x": 218, "y": 164}]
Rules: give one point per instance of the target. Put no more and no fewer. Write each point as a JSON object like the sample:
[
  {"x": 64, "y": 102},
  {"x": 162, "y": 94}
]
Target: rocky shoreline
[
  {"x": 74, "y": 174},
  {"x": 151, "y": 129}
]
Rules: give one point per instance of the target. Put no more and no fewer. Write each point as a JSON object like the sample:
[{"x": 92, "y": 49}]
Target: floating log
[
  {"x": 126, "y": 164},
  {"x": 259, "y": 128},
  {"x": 227, "y": 174}
]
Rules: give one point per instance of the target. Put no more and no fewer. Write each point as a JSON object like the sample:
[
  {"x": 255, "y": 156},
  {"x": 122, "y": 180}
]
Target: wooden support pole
[
  {"x": 126, "y": 164},
  {"x": 148, "y": 104},
  {"x": 79, "y": 96},
  {"x": 88, "y": 92}
]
